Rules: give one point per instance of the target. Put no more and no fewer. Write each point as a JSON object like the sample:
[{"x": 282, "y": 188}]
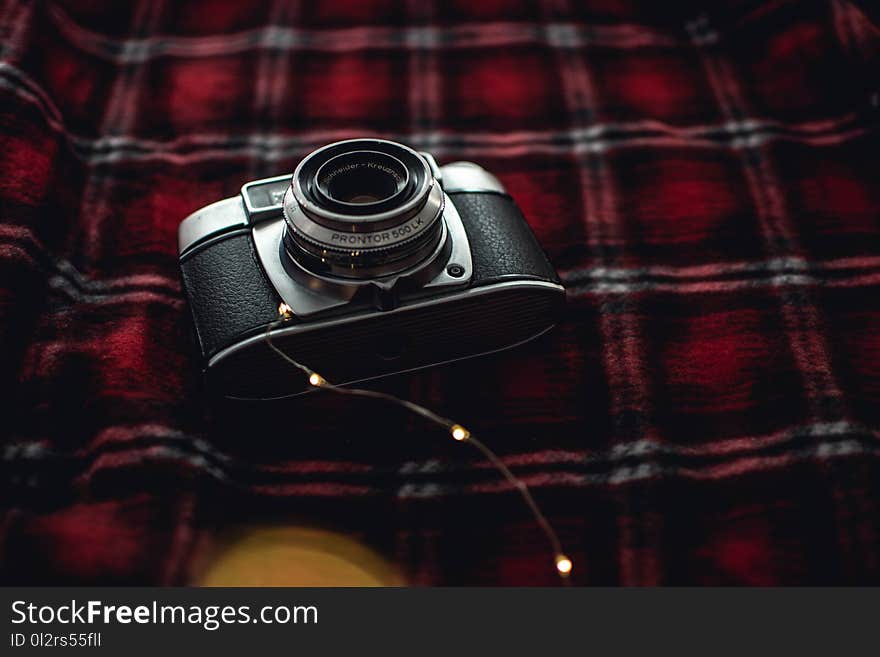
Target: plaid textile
[{"x": 703, "y": 175}]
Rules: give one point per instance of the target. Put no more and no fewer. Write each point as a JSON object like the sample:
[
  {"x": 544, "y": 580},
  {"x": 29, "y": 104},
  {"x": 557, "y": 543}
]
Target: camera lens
[
  {"x": 361, "y": 177},
  {"x": 363, "y": 208}
]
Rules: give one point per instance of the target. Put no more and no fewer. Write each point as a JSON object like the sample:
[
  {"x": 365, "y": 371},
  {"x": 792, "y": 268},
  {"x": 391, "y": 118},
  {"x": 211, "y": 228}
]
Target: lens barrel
[{"x": 362, "y": 208}]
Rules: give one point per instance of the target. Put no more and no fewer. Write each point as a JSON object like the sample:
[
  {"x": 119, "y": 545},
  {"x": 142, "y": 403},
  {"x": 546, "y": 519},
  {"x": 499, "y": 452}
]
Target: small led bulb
[
  {"x": 459, "y": 433},
  {"x": 563, "y": 565},
  {"x": 285, "y": 311},
  {"x": 316, "y": 379}
]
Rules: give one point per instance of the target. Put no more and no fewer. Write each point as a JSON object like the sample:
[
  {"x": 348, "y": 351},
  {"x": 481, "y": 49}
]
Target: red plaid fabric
[{"x": 703, "y": 175}]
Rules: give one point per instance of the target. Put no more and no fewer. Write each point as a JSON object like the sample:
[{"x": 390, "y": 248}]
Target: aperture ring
[
  {"x": 386, "y": 252},
  {"x": 377, "y": 241},
  {"x": 343, "y": 263}
]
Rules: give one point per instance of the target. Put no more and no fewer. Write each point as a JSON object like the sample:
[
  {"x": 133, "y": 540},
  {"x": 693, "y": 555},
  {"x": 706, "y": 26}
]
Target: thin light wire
[{"x": 449, "y": 425}]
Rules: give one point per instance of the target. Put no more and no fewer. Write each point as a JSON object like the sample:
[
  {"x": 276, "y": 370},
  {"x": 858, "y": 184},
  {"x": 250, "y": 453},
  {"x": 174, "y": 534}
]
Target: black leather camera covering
[
  {"x": 231, "y": 298},
  {"x": 502, "y": 244},
  {"x": 229, "y": 295}
]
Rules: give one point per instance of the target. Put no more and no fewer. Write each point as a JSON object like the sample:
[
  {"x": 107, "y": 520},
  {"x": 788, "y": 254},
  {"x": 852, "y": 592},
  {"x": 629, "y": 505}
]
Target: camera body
[{"x": 379, "y": 261}]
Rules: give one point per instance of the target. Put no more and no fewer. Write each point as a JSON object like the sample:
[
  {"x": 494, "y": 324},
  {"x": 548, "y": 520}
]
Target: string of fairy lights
[{"x": 456, "y": 431}]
